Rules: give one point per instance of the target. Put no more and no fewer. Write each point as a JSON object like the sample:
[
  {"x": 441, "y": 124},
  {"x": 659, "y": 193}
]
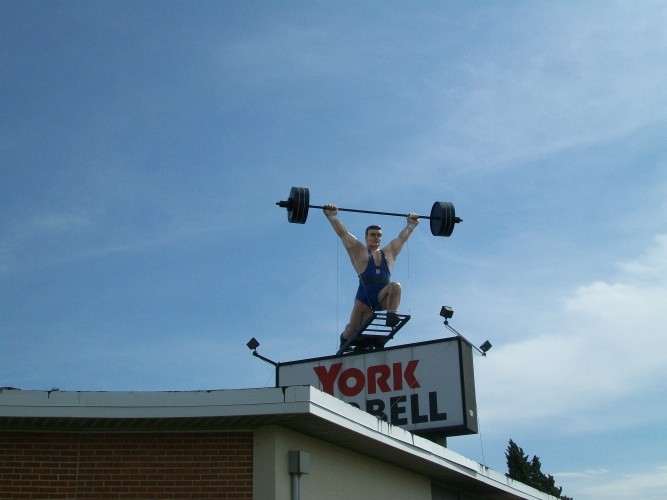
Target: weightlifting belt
[{"x": 373, "y": 281}]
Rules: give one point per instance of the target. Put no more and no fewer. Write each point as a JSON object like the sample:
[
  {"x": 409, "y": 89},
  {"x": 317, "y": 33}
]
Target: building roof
[{"x": 301, "y": 408}]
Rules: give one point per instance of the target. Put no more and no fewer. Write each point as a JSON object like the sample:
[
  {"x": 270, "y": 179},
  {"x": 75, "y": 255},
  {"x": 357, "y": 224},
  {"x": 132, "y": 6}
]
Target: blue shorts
[{"x": 368, "y": 294}]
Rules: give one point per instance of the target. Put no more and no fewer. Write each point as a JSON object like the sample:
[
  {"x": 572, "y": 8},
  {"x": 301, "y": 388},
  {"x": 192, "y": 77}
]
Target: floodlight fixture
[
  {"x": 485, "y": 346},
  {"x": 446, "y": 312},
  {"x": 253, "y": 344}
]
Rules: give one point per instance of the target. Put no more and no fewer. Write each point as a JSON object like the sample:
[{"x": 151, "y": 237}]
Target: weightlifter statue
[{"x": 373, "y": 266}]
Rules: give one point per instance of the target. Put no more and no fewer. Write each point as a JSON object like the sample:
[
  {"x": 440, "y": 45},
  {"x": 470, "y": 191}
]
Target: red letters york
[{"x": 352, "y": 381}]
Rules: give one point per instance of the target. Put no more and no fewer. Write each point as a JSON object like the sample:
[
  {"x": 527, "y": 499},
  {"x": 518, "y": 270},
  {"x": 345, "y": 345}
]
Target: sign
[{"x": 427, "y": 387}]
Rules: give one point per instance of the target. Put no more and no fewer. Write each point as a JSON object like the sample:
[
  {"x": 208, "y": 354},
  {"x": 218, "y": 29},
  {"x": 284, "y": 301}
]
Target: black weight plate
[
  {"x": 443, "y": 218},
  {"x": 297, "y": 211},
  {"x": 290, "y": 204},
  {"x": 305, "y": 204}
]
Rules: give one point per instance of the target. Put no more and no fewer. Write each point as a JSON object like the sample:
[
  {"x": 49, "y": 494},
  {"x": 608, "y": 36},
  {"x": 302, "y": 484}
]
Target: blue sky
[{"x": 144, "y": 144}]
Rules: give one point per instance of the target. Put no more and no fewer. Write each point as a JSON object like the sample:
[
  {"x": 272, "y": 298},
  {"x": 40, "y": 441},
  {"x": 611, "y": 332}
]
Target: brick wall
[{"x": 126, "y": 466}]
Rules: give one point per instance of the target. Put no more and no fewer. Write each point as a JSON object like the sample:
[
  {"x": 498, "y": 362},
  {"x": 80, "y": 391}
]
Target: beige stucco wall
[{"x": 335, "y": 472}]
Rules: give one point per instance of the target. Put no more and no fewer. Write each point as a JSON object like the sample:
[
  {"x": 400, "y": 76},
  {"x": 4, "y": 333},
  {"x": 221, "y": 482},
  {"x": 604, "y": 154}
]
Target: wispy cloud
[
  {"x": 53, "y": 223},
  {"x": 284, "y": 53},
  {"x": 588, "y": 473},
  {"x": 649, "y": 485},
  {"x": 588, "y": 82},
  {"x": 606, "y": 348},
  {"x": 27, "y": 235}
]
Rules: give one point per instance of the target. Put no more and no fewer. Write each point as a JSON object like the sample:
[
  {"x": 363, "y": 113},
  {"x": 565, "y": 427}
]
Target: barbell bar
[{"x": 442, "y": 219}]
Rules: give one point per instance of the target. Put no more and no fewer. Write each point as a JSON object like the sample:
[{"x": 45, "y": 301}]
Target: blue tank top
[
  {"x": 372, "y": 280},
  {"x": 373, "y": 274}
]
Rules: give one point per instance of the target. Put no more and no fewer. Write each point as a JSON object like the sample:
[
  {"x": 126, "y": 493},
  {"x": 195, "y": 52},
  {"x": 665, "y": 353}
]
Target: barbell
[{"x": 443, "y": 216}]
